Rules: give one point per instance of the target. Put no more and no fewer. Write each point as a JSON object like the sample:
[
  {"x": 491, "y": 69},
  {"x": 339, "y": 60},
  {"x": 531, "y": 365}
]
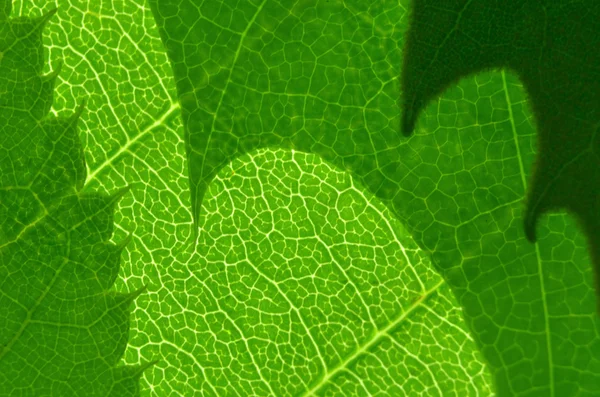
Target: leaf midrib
[
  {"x": 160, "y": 121},
  {"x": 376, "y": 338},
  {"x": 537, "y": 248}
]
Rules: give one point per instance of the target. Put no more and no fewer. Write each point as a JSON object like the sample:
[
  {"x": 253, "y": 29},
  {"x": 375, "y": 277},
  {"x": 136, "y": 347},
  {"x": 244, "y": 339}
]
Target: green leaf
[
  {"x": 320, "y": 77},
  {"x": 552, "y": 46},
  {"x": 134, "y": 138},
  {"x": 62, "y": 330},
  {"x": 303, "y": 284}
]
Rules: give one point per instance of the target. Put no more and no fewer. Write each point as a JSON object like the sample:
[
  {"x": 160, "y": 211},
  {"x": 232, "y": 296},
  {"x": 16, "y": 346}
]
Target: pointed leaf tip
[
  {"x": 116, "y": 196},
  {"x": 43, "y": 20},
  {"x": 138, "y": 371},
  {"x": 149, "y": 364},
  {"x": 57, "y": 69},
  {"x": 51, "y": 12},
  {"x": 530, "y": 233},
  {"x": 195, "y": 233},
  {"x": 130, "y": 297},
  {"x": 410, "y": 110},
  {"x": 80, "y": 108},
  {"x": 143, "y": 289},
  {"x": 121, "y": 246},
  {"x": 74, "y": 118},
  {"x": 54, "y": 73},
  {"x": 529, "y": 223},
  {"x": 408, "y": 123}
]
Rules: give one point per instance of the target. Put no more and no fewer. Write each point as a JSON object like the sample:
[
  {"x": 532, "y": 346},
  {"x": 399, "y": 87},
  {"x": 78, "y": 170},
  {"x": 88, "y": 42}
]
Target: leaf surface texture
[
  {"x": 323, "y": 78},
  {"x": 62, "y": 330}
]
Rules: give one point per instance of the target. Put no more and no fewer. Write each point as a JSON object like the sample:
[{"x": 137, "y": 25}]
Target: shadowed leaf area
[
  {"x": 322, "y": 77},
  {"x": 553, "y": 46},
  {"x": 62, "y": 332}
]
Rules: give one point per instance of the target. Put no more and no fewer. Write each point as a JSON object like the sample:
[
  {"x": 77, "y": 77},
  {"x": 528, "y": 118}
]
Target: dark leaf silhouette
[{"x": 553, "y": 46}]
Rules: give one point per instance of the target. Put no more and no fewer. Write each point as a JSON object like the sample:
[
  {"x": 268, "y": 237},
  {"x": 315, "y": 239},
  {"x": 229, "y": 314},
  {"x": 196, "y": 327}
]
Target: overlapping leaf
[
  {"x": 303, "y": 285},
  {"x": 552, "y": 45},
  {"x": 203, "y": 351},
  {"x": 461, "y": 213},
  {"x": 62, "y": 331},
  {"x": 320, "y": 77}
]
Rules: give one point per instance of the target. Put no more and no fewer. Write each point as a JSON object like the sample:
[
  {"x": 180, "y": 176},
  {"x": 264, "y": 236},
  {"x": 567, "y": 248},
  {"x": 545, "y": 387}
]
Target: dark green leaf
[
  {"x": 553, "y": 46},
  {"x": 62, "y": 331}
]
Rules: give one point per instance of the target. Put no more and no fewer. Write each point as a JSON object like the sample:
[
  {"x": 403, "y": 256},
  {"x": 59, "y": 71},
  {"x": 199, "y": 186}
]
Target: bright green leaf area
[
  {"x": 318, "y": 290},
  {"x": 313, "y": 273}
]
